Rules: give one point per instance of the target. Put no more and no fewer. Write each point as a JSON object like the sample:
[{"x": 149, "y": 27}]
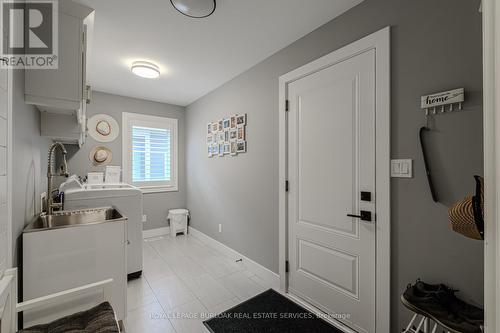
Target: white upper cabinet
[{"x": 64, "y": 90}]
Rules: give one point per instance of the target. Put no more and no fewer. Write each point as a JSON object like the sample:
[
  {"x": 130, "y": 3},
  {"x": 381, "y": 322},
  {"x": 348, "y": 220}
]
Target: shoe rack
[{"x": 423, "y": 324}]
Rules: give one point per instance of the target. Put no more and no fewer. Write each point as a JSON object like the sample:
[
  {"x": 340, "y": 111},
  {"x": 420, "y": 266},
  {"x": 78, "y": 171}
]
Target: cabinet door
[
  {"x": 65, "y": 88},
  {"x": 84, "y": 63},
  {"x": 61, "y": 259}
]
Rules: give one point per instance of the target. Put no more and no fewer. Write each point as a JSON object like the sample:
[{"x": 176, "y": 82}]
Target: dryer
[{"x": 124, "y": 197}]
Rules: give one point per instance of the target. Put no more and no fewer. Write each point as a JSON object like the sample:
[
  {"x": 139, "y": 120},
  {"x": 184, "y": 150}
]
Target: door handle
[{"x": 364, "y": 215}]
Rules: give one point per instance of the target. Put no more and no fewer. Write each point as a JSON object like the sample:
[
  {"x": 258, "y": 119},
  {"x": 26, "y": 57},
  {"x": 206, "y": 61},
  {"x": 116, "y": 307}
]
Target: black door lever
[{"x": 364, "y": 215}]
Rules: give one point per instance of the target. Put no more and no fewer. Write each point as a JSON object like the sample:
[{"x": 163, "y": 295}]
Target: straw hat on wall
[
  {"x": 100, "y": 156},
  {"x": 103, "y": 128},
  {"x": 467, "y": 216}
]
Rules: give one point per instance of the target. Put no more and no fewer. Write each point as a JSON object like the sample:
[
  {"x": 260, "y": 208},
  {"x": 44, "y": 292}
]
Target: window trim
[{"x": 130, "y": 119}]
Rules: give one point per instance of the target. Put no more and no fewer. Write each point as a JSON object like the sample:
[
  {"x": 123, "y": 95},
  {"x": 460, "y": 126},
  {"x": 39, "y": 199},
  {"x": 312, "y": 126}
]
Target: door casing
[
  {"x": 491, "y": 121},
  {"x": 380, "y": 42}
]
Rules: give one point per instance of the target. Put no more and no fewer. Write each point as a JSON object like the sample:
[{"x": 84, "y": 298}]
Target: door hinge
[
  {"x": 287, "y": 267},
  {"x": 287, "y": 105},
  {"x": 287, "y": 186}
]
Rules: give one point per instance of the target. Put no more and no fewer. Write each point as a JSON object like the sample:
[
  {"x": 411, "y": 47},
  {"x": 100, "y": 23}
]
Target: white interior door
[{"x": 331, "y": 160}]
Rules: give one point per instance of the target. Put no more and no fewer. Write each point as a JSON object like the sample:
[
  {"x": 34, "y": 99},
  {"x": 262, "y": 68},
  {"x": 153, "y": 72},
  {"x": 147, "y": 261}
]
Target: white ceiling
[{"x": 195, "y": 55}]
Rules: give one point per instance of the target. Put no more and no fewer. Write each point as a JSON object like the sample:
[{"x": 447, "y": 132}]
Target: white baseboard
[
  {"x": 155, "y": 232},
  {"x": 264, "y": 273}
]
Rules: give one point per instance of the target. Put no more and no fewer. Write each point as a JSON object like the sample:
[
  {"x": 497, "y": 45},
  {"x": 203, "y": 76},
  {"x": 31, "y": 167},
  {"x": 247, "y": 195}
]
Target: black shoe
[
  {"x": 431, "y": 306},
  {"x": 469, "y": 312}
]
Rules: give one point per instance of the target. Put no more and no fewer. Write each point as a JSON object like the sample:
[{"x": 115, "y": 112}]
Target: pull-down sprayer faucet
[{"x": 50, "y": 174}]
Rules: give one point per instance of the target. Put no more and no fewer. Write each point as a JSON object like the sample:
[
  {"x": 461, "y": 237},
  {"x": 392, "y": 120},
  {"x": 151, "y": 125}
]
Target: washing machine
[{"x": 124, "y": 197}]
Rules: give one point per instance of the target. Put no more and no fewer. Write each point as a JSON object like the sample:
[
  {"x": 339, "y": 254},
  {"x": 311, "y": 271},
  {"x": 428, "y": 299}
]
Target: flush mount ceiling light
[
  {"x": 195, "y": 8},
  {"x": 145, "y": 69}
]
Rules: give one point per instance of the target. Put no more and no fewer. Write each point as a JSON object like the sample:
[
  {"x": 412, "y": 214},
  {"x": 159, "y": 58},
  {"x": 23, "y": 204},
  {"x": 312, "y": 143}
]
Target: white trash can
[{"x": 178, "y": 221}]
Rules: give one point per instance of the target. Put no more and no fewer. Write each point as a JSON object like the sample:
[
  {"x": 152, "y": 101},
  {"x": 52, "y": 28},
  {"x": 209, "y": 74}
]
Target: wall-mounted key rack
[{"x": 443, "y": 101}]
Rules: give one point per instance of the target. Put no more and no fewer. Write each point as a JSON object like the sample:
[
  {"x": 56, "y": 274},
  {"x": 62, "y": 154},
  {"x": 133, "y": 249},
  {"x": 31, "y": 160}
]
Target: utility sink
[{"x": 73, "y": 218}]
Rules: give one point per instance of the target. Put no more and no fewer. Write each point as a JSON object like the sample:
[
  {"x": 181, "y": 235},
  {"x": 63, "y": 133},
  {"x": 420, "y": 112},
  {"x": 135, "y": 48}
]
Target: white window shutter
[{"x": 151, "y": 154}]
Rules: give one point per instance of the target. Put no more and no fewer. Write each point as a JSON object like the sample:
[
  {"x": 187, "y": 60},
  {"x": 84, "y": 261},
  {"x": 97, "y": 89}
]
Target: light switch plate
[{"x": 402, "y": 168}]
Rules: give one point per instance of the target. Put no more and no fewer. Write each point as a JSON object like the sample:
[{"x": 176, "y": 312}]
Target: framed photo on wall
[
  {"x": 241, "y": 133},
  {"x": 234, "y": 148},
  {"x": 215, "y": 149},
  {"x": 221, "y": 137},
  {"x": 233, "y": 135},
  {"x": 241, "y": 146},
  {"x": 241, "y": 120},
  {"x": 227, "y": 148}
]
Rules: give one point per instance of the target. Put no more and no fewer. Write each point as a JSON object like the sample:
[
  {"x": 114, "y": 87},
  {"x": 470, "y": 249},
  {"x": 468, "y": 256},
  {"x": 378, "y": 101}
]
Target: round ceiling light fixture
[
  {"x": 145, "y": 69},
  {"x": 195, "y": 8}
]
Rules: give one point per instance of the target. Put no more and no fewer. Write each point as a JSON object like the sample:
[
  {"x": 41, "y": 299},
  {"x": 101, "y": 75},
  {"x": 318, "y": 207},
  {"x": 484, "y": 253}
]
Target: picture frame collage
[{"x": 227, "y": 136}]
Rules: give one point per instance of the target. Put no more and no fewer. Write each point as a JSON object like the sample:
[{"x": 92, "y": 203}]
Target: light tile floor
[{"x": 184, "y": 281}]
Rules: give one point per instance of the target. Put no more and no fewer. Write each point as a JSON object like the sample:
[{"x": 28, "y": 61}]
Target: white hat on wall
[{"x": 103, "y": 128}]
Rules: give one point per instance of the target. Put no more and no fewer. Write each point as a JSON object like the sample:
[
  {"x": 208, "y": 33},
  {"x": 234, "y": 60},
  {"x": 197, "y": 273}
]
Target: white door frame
[
  {"x": 380, "y": 42},
  {"x": 491, "y": 108},
  {"x": 10, "y": 164}
]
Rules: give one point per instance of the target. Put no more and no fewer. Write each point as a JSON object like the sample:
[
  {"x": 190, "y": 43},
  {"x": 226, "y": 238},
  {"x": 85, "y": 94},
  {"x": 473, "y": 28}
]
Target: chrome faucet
[{"x": 50, "y": 174}]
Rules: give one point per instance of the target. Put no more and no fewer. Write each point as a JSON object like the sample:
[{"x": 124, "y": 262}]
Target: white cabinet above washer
[{"x": 64, "y": 91}]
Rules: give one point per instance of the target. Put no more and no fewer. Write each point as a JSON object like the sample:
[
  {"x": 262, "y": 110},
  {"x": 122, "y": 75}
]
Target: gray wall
[
  {"x": 29, "y": 154},
  {"x": 156, "y": 205},
  {"x": 436, "y": 45}
]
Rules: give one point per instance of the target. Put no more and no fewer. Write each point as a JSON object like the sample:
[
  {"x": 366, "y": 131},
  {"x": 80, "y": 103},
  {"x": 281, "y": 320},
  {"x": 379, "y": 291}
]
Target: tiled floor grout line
[
  {"x": 186, "y": 275},
  {"x": 187, "y": 286},
  {"x": 217, "y": 279},
  {"x": 153, "y": 291},
  {"x": 208, "y": 311}
]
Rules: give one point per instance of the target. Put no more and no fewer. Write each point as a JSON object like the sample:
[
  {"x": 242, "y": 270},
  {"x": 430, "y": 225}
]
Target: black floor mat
[{"x": 268, "y": 312}]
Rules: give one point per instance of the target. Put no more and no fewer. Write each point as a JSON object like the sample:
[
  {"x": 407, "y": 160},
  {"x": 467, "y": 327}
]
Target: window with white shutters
[{"x": 150, "y": 152}]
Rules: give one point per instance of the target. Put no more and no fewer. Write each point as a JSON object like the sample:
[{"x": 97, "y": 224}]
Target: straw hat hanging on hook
[
  {"x": 103, "y": 128},
  {"x": 100, "y": 156},
  {"x": 467, "y": 216}
]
